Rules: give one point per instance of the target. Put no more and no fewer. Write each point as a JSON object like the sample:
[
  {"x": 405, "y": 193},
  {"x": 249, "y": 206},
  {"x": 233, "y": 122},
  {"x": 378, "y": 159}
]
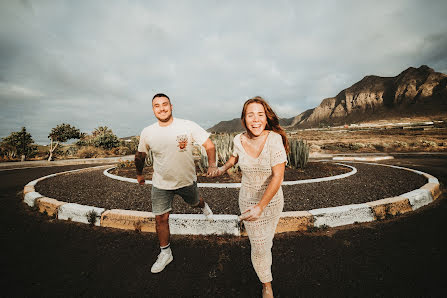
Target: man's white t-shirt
[{"x": 172, "y": 152}]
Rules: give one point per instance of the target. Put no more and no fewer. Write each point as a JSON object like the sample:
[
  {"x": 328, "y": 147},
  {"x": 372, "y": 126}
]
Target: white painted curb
[
  {"x": 34, "y": 182},
  {"x": 418, "y": 198},
  {"x": 238, "y": 185},
  {"x": 341, "y": 176},
  {"x": 433, "y": 180},
  {"x": 31, "y": 197},
  {"x": 79, "y": 213},
  {"x": 366, "y": 158},
  {"x": 197, "y": 224},
  {"x": 342, "y": 215}
]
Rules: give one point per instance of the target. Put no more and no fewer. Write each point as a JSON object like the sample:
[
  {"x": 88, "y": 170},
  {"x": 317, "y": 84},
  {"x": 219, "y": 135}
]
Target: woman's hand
[
  {"x": 252, "y": 213},
  {"x": 214, "y": 172}
]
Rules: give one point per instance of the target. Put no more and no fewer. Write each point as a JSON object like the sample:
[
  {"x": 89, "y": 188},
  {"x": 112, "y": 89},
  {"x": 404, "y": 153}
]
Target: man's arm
[
  {"x": 211, "y": 153},
  {"x": 140, "y": 158}
]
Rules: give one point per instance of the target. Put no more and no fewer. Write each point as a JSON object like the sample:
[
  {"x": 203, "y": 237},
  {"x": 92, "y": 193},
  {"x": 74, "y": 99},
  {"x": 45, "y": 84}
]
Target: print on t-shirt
[{"x": 182, "y": 142}]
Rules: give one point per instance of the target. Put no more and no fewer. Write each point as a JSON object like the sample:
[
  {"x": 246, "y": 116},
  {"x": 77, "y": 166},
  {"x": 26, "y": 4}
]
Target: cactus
[
  {"x": 299, "y": 154},
  {"x": 224, "y": 148}
]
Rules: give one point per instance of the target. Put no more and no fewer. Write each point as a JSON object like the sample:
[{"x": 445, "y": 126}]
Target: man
[{"x": 171, "y": 142}]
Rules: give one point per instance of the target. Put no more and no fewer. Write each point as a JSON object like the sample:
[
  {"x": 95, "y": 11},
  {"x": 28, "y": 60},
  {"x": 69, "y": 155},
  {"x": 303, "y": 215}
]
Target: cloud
[
  {"x": 94, "y": 63},
  {"x": 14, "y": 92}
]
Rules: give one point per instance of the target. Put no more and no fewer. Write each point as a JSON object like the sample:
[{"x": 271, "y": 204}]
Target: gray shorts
[{"x": 162, "y": 198}]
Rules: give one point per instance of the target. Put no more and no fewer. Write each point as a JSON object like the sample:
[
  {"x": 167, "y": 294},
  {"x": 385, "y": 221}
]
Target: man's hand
[
  {"x": 140, "y": 179},
  {"x": 252, "y": 213},
  {"x": 212, "y": 171},
  {"x": 215, "y": 172}
]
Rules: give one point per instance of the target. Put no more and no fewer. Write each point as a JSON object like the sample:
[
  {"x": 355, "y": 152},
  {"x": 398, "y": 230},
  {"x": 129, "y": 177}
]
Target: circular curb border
[
  {"x": 197, "y": 224},
  {"x": 238, "y": 185}
]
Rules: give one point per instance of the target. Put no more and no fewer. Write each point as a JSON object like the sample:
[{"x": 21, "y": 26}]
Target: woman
[{"x": 261, "y": 154}]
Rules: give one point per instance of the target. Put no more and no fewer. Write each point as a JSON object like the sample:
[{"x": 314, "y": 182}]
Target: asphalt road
[{"x": 43, "y": 257}]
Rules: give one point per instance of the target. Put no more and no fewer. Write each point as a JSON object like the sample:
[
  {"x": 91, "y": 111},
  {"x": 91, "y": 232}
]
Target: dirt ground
[
  {"x": 39, "y": 257},
  {"x": 371, "y": 182},
  {"x": 384, "y": 139},
  {"x": 311, "y": 171}
]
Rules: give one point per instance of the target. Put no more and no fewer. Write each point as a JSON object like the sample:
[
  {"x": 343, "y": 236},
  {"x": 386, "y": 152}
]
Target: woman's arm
[
  {"x": 254, "y": 212},
  {"x": 230, "y": 163}
]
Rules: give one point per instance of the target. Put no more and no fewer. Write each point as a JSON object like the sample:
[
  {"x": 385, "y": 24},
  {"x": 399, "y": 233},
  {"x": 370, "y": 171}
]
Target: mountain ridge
[{"x": 414, "y": 92}]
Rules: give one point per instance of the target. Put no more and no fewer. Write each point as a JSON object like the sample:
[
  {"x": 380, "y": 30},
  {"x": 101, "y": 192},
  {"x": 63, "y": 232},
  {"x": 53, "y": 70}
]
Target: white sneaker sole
[{"x": 161, "y": 269}]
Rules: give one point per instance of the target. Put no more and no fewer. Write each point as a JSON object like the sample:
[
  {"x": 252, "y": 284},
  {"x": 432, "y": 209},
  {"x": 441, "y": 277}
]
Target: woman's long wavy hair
[{"x": 272, "y": 119}]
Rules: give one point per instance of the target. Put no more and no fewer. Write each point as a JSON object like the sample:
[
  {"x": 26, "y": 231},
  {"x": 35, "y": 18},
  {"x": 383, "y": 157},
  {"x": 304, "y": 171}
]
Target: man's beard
[{"x": 166, "y": 119}]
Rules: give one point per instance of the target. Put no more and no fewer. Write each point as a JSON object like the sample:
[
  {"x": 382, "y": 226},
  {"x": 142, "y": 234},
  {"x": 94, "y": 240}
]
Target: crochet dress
[{"x": 256, "y": 176}]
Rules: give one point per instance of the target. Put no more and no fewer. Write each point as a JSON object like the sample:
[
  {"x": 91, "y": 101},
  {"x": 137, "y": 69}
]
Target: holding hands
[{"x": 214, "y": 171}]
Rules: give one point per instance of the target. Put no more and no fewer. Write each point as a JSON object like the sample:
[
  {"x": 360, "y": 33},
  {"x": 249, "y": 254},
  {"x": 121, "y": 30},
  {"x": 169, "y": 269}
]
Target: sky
[{"x": 99, "y": 63}]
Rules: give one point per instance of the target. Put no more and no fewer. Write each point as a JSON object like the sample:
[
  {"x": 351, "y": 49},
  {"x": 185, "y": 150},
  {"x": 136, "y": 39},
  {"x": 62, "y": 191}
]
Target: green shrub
[
  {"x": 121, "y": 150},
  {"x": 400, "y": 144},
  {"x": 132, "y": 145},
  {"x": 71, "y": 151},
  {"x": 18, "y": 143},
  {"x": 102, "y": 137},
  {"x": 89, "y": 152},
  {"x": 426, "y": 143},
  {"x": 125, "y": 164},
  {"x": 356, "y": 146},
  {"x": 106, "y": 141}
]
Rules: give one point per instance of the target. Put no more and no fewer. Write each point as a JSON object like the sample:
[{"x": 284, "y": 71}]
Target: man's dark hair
[{"x": 161, "y": 95}]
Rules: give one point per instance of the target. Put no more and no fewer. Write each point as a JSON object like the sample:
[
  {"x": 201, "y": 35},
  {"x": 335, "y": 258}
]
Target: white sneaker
[
  {"x": 207, "y": 212},
  {"x": 163, "y": 259}
]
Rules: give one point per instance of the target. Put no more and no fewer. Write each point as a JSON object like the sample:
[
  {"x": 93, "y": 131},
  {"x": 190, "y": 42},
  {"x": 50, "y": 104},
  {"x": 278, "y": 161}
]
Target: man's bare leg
[
  {"x": 201, "y": 203},
  {"x": 165, "y": 257},
  {"x": 162, "y": 227}
]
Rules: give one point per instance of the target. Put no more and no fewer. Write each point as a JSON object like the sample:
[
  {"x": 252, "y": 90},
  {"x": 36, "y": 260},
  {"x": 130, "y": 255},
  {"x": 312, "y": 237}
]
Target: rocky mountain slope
[{"x": 414, "y": 92}]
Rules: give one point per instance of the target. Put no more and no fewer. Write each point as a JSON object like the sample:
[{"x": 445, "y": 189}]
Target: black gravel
[{"x": 371, "y": 182}]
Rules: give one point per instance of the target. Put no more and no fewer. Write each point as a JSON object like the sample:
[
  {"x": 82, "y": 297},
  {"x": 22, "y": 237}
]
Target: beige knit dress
[{"x": 256, "y": 176}]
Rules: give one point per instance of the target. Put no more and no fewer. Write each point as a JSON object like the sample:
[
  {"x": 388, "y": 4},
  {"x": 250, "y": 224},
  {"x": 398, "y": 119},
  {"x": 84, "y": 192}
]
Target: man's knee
[
  {"x": 200, "y": 203},
  {"x": 162, "y": 219}
]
